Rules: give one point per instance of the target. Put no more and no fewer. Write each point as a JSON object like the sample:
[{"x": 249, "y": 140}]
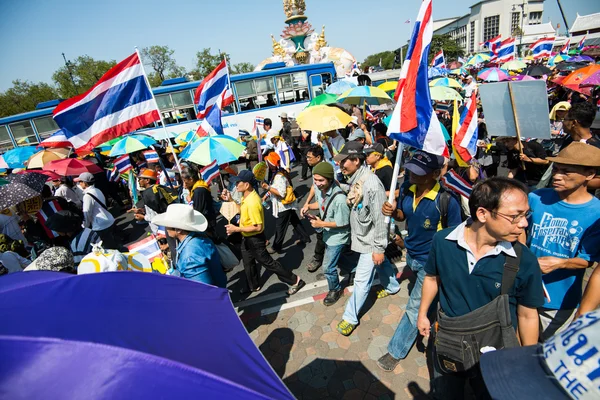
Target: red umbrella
[
  {"x": 72, "y": 167},
  {"x": 51, "y": 175}
]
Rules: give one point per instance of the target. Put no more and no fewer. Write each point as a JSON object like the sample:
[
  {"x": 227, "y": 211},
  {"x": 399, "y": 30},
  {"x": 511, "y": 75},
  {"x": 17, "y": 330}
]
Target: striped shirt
[
  {"x": 367, "y": 223},
  {"x": 81, "y": 244}
]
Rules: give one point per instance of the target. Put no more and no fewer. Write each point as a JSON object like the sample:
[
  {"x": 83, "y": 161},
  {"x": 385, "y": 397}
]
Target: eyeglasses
[{"x": 513, "y": 219}]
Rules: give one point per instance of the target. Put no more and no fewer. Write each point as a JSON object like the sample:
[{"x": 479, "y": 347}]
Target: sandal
[
  {"x": 382, "y": 293},
  {"x": 345, "y": 327},
  {"x": 295, "y": 288}
]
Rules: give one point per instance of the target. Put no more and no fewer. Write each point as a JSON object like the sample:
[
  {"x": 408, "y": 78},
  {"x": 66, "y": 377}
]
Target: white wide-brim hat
[
  {"x": 181, "y": 216},
  {"x": 271, "y": 135}
]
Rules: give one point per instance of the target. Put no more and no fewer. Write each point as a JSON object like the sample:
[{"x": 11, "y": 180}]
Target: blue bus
[{"x": 265, "y": 94}]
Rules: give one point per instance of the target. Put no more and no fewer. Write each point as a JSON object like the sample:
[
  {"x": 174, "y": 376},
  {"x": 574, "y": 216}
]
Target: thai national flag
[
  {"x": 151, "y": 156},
  {"x": 465, "y": 138},
  {"x": 542, "y": 48},
  {"x": 413, "y": 120},
  {"x": 211, "y": 125},
  {"x": 123, "y": 164},
  {"x": 210, "y": 172},
  {"x": 456, "y": 183},
  {"x": 214, "y": 89},
  {"x": 119, "y": 103},
  {"x": 57, "y": 139},
  {"x": 259, "y": 122},
  {"x": 112, "y": 174},
  {"x": 506, "y": 50},
  {"x": 147, "y": 247},
  {"x": 565, "y": 48},
  {"x": 581, "y": 43},
  {"x": 49, "y": 208},
  {"x": 369, "y": 114},
  {"x": 439, "y": 61},
  {"x": 494, "y": 43}
]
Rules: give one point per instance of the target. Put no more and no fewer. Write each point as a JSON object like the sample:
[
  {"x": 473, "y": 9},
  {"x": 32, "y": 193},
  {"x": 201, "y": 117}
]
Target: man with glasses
[
  {"x": 564, "y": 233},
  {"x": 465, "y": 268}
]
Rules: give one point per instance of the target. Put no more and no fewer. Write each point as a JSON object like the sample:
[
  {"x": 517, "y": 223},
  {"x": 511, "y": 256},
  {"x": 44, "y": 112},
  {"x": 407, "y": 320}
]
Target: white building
[
  {"x": 586, "y": 25},
  {"x": 487, "y": 19}
]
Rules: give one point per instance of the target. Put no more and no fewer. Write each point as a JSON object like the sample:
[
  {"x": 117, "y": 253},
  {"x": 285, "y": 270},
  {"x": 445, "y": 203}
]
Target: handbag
[
  {"x": 290, "y": 196},
  {"x": 459, "y": 340},
  {"x": 228, "y": 259}
]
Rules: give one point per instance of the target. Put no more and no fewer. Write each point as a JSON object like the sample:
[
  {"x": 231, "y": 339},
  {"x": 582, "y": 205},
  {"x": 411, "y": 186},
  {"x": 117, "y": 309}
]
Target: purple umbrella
[
  {"x": 522, "y": 78},
  {"x": 592, "y": 80},
  {"x": 575, "y": 59},
  {"x": 126, "y": 335}
]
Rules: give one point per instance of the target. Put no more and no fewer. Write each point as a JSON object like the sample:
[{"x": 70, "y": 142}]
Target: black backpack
[{"x": 442, "y": 203}]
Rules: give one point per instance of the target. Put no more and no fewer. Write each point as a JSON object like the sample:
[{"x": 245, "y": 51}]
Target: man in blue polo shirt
[
  {"x": 419, "y": 205},
  {"x": 564, "y": 233},
  {"x": 466, "y": 266}
]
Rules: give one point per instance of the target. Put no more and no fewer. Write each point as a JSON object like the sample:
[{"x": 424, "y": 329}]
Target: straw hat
[
  {"x": 181, "y": 216},
  {"x": 271, "y": 135},
  {"x": 560, "y": 106},
  {"x": 578, "y": 153}
]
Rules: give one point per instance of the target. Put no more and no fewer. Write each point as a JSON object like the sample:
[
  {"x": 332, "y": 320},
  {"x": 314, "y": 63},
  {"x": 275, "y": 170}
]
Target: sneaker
[
  {"x": 332, "y": 297},
  {"x": 345, "y": 328},
  {"x": 387, "y": 362},
  {"x": 295, "y": 288},
  {"x": 313, "y": 266},
  {"x": 382, "y": 293}
]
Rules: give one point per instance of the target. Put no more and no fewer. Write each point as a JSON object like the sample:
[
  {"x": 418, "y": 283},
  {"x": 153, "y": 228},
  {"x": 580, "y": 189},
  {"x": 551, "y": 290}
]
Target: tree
[
  {"x": 451, "y": 49},
  {"x": 242, "y": 68},
  {"x": 24, "y": 96},
  {"x": 85, "y": 72},
  {"x": 160, "y": 59},
  {"x": 386, "y": 57},
  {"x": 206, "y": 62}
]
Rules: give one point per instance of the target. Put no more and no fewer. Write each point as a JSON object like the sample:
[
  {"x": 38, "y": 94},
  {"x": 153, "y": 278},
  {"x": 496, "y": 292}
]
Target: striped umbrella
[
  {"x": 38, "y": 160},
  {"x": 130, "y": 144},
  {"x": 364, "y": 95},
  {"x": 478, "y": 59},
  {"x": 448, "y": 82},
  {"x": 207, "y": 149},
  {"x": 493, "y": 75},
  {"x": 459, "y": 71},
  {"x": 185, "y": 136},
  {"x": 557, "y": 59}
]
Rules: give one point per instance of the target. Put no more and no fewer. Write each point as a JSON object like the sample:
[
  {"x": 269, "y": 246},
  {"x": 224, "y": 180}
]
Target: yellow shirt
[{"x": 252, "y": 213}]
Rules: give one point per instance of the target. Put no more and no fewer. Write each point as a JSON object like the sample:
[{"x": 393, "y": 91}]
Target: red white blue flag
[
  {"x": 148, "y": 247},
  {"x": 214, "y": 90},
  {"x": 565, "y": 49},
  {"x": 210, "y": 172},
  {"x": 151, "y": 156},
  {"x": 119, "y": 103},
  {"x": 456, "y": 183},
  {"x": 439, "y": 61},
  {"x": 465, "y": 138},
  {"x": 57, "y": 139},
  {"x": 123, "y": 164},
  {"x": 211, "y": 125},
  {"x": 581, "y": 43},
  {"x": 494, "y": 43},
  {"x": 542, "y": 48},
  {"x": 506, "y": 50},
  {"x": 414, "y": 122},
  {"x": 112, "y": 174},
  {"x": 48, "y": 209}
]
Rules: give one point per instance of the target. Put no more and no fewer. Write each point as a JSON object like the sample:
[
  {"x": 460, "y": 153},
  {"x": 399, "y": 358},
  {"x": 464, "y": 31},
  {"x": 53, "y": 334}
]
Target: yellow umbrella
[
  {"x": 443, "y": 93},
  {"x": 322, "y": 119},
  {"x": 38, "y": 160},
  {"x": 388, "y": 86},
  {"x": 448, "y": 82},
  {"x": 365, "y": 95},
  {"x": 514, "y": 65}
]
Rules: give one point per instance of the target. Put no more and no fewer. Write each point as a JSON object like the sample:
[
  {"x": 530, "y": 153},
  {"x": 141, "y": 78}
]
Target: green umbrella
[
  {"x": 365, "y": 95},
  {"x": 443, "y": 93},
  {"x": 130, "y": 144},
  {"x": 323, "y": 100},
  {"x": 219, "y": 148}
]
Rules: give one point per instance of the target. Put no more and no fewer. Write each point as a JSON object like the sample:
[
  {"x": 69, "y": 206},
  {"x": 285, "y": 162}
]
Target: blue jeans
[
  {"x": 406, "y": 332},
  {"x": 330, "y": 261},
  {"x": 365, "y": 273}
]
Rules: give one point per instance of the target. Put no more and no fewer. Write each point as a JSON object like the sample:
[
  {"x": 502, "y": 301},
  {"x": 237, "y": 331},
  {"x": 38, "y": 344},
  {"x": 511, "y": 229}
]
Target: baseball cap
[
  {"x": 148, "y": 174},
  {"x": 244, "y": 176},
  {"x": 423, "y": 163},
  {"x": 376, "y": 148},
  {"x": 244, "y": 133},
  {"x": 578, "y": 153},
  {"x": 86, "y": 177},
  {"x": 349, "y": 149},
  {"x": 357, "y": 134},
  {"x": 283, "y": 115},
  {"x": 565, "y": 366},
  {"x": 354, "y": 120}
]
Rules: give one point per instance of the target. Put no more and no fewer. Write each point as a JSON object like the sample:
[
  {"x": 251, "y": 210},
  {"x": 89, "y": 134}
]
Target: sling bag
[
  {"x": 459, "y": 340},
  {"x": 97, "y": 201}
]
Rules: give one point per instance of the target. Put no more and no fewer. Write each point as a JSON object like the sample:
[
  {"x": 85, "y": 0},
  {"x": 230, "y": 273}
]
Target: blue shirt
[
  {"x": 563, "y": 230},
  {"x": 462, "y": 291},
  {"x": 423, "y": 219},
  {"x": 198, "y": 260},
  {"x": 338, "y": 212}
]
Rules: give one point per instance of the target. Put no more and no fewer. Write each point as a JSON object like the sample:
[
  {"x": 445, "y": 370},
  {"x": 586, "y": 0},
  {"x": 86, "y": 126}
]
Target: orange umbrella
[{"x": 573, "y": 80}]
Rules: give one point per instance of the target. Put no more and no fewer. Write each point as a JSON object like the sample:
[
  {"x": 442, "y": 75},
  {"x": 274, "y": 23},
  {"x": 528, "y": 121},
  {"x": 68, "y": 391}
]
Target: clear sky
[{"x": 34, "y": 33}]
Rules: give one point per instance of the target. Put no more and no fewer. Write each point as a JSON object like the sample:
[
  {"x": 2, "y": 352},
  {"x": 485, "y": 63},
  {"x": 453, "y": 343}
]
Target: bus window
[
  {"x": 292, "y": 87},
  {"x": 164, "y": 101},
  {"x": 177, "y": 107},
  {"x": 319, "y": 83},
  {"x": 23, "y": 132},
  {"x": 45, "y": 126},
  {"x": 265, "y": 90},
  {"x": 5, "y": 142}
]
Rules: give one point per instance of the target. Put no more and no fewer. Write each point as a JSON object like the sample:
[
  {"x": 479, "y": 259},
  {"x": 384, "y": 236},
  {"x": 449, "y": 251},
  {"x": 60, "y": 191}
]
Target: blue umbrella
[
  {"x": 130, "y": 144},
  {"x": 340, "y": 87},
  {"x": 126, "y": 335},
  {"x": 16, "y": 158},
  {"x": 434, "y": 72},
  {"x": 207, "y": 149}
]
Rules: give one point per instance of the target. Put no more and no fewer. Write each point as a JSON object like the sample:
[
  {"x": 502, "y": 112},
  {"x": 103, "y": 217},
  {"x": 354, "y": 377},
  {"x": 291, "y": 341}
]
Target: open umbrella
[
  {"x": 322, "y": 119},
  {"x": 442, "y": 93},
  {"x": 207, "y": 149},
  {"x": 448, "y": 82},
  {"x": 17, "y": 157},
  {"x": 521, "y": 78},
  {"x": 108, "y": 335},
  {"x": 514, "y": 65},
  {"x": 49, "y": 174},
  {"x": 565, "y": 66},
  {"x": 557, "y": 59},
  {"x": 575, "y": 78},
  {"x": 12, "y": 194},
  {"x": 340, "y": 87},
  {"x": 3, "y": 164},
  {"x": 38, "y": 160},
  {"x": 130, "y": 144},
  {"x": 388, "y": 86},
  {"x": 592, "y": 80},
  {"x": 580, "y": 59},
  {"x": 72, "y": 167},
  {"x": 493, "y": 75},
  {"x": 433, "y": 72},
  {"x": 478, "y": 59},
  {"x": 33, "y": 180},
  {"x": 323, "y": 100},
  {"x": 538, "y": 70},
  {"x": 459, "y": 71},
  {"x": 365, "y": 95},
  {"x": 185, "y": 136}
]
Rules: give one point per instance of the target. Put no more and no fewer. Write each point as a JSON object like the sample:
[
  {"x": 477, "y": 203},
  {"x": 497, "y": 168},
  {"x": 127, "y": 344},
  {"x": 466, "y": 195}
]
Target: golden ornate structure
[
  {"x": 321, "y": 42},
  {"x": 294, "y": 8},
  {"x": 277, "y": 49}
]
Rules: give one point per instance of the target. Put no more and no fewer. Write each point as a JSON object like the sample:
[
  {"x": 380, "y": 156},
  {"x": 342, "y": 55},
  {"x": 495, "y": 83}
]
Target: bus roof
[{"x": 387, "y": 74}]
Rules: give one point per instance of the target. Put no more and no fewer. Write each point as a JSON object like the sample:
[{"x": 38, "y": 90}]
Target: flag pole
[
  {"x": 397, "y": 164},
  {"x": 229, "y": 82},
  {"x": 518, "y": 128},
  {"x": 166, "y": 134}
]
